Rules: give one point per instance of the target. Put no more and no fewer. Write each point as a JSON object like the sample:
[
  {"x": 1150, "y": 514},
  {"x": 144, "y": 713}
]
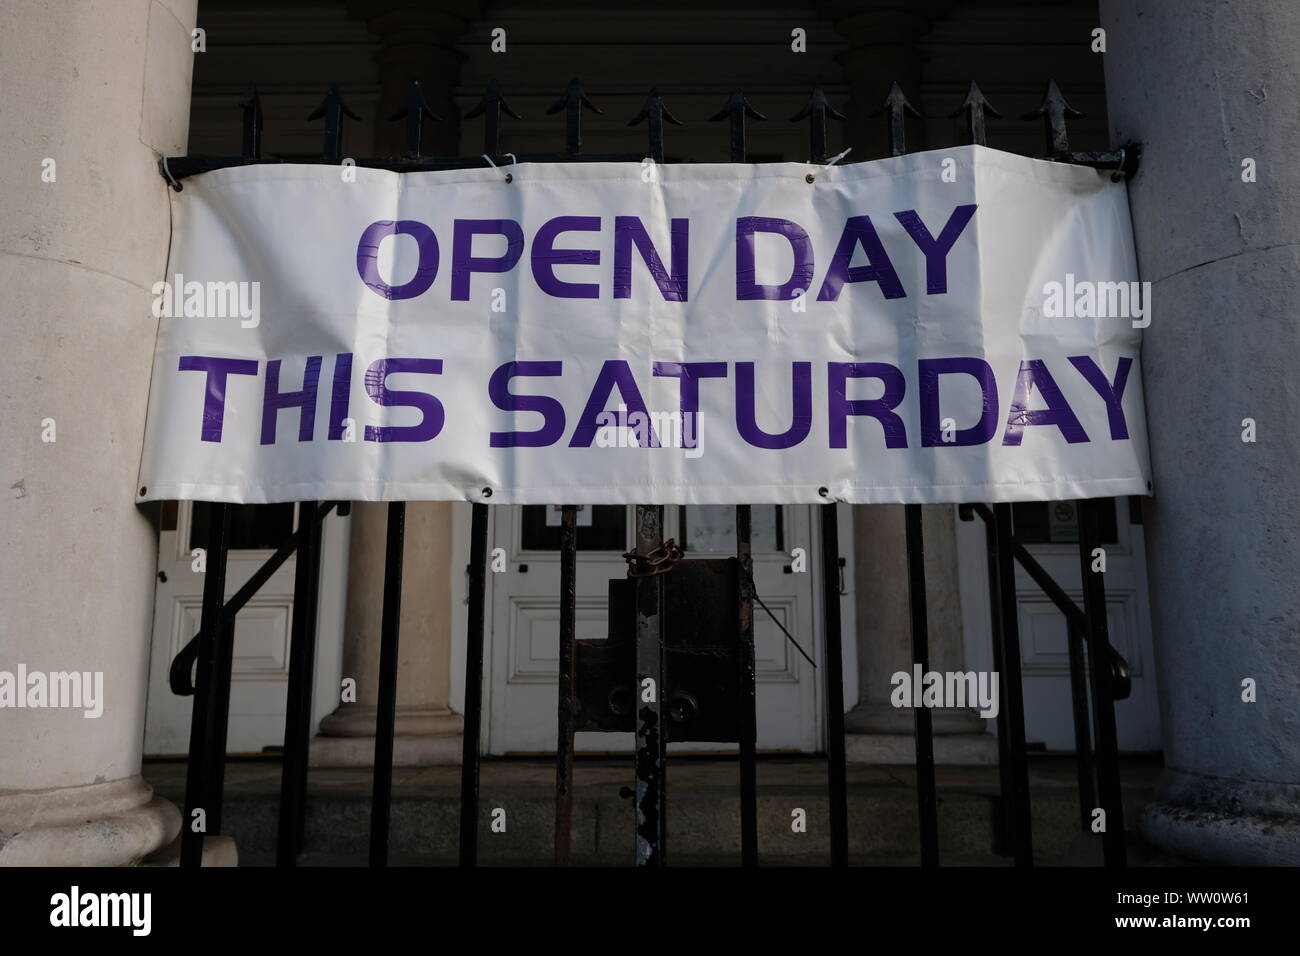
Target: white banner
[{"x": 955, "y": 325}]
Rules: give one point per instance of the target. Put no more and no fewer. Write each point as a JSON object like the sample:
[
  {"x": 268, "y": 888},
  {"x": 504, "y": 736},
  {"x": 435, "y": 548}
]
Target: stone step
[{"x": 703, "y": 812}]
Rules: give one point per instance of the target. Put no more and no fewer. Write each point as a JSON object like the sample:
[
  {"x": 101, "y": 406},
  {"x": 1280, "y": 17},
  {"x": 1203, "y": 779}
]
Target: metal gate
[{"x": 642, "y": 646}]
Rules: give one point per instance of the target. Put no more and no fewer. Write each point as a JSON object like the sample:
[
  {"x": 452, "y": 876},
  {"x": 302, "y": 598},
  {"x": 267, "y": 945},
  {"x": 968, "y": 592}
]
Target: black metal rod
[
  {"x": 469, "y": 769},
  {"x": 219, "y": 722},
  {"x": 1005, "y": 786},
  {"x": 1007, "y": 637},
  {"x": 649, "y": 691},
  {"x": 1082, "y": 736},
  {"x": 568, "y": 703},
  {"x": 837, "y": 774},
  {"x": 386, "y": 706},
  {"x": 748, "y": 691},
  {"x": 926, "y": 796},
  {"x": 1103, "y": 703},
  {"x": 213, "y": 631},
  {"x": 297, "y": 717}
]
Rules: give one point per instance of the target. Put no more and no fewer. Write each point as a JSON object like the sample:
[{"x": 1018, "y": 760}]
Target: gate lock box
[{"x": 701, "y": 693}]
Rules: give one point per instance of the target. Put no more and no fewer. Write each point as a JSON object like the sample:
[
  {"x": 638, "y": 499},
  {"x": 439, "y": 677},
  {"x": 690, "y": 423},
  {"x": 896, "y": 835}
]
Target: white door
[
  {"x": 1051, "y": 533},
  {"x": 524, "y": 616},
  {"x": 260, "y": 672}
]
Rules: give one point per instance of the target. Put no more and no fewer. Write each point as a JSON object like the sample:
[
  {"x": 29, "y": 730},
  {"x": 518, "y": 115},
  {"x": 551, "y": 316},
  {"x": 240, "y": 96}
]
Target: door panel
[{"x": 260, "y": 668}]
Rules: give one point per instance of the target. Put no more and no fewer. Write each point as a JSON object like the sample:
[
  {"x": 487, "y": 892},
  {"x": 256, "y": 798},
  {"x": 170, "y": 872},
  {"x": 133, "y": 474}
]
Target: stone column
[
  {"x": 417, "y": 45},
  {"x": 1205, "y": 86},
  {"x": 882, "y": 49},
  {"x": 94, "y": 93}
]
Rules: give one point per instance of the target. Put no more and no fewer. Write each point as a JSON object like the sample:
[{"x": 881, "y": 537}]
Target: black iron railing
[{"x": 1088, "y": 636}]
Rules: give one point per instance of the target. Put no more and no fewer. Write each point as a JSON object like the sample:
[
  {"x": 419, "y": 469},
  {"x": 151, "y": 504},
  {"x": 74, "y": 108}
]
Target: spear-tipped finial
[
  {"x": 572, "y": 101},
  {"x": 817, "y": 110},
  {"x": 251, "y": 104},
  {"x": 654, "y": 113},
  {"x": 415, "y": 110},
  {"x": 1055, "y": 111},
  {"x": 897, "y": 108},
  {"x": 736, "y": 110},
  {"x": 490, "y": 108},
  {"x": 333, "y": 109},
  {"x": 975, "y": 108}
]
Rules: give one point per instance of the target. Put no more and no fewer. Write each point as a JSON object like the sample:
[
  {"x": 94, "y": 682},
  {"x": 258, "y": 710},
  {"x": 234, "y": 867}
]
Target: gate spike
[
  {"x": 975, "y": 107},
  {"x": 333, "y": 109},
  {"x": 572, "y": 100},
  {"x": 817, "y": 109},
  {"x": 736, "y": 110},
  {"x": 490, "y": 108},
  {"x": 251, "y": 104},
  {"x": 414, "y": 109},
  {"x": 898, "y": 109},
  {"x": 654, "y": 112},
  {"x": 1055, "y": 111}
]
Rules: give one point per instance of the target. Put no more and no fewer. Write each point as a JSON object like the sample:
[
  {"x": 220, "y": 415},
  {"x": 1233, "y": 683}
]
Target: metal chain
[{"x": 659, "y": 561}]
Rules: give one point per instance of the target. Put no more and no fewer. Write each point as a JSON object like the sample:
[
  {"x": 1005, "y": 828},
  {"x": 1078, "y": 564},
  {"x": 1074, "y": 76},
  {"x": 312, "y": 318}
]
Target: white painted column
[
  {"x": 101, "y": 88},
  {"x": 881, "y": 50},
  {"x": 1205, "y": 86},
  {"x": 417, "y": 45}
]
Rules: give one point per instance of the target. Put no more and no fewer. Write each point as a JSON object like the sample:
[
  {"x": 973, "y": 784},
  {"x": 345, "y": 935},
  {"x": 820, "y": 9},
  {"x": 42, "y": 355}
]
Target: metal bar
[
  {"x": 213, "y": 632},
  {"x": 415, "y": 110},
  {"x": 1082, "y": 736},
  {"x": 469, "y": 768},
  {"x": 333, "y": 109},
  {"x": 490, "y": 108},
  {"x": 654, "y": 113},
  {"x": 975, "y": 109},
  {"x": 1007, "y": 638},
  {"x": 573, "y": 100},
  {"x": 1103, "y": 703},
  {"x": 219, "y": 722},
  {"x": 649, "y": 690},
  {"x": 927, "y": 799},
  {"x": 297, "y": 717},
  {"x": 748, "y": 691},
  {"x": 837, "y": 775},
  {"x": 736, "y": 110},
  {"x": 1054, "y": 111},
  {"x": 1005, "y": 786},
  {"x": 568, "y": 708},
  {"x": 252, "y": 108},
  {"x": 386, "y": 709}
]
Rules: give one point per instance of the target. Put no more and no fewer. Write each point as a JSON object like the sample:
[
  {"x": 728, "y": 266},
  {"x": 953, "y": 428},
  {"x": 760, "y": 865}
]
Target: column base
[
  {"x": 423, "y": 738},
  {"x": 102, "y": 824},
  {"x": 1224, "y": 821},
  {"x": 949, "y": 749},
  {"x": 217, "y": 851},
  {"x": 879, "y": 733}
]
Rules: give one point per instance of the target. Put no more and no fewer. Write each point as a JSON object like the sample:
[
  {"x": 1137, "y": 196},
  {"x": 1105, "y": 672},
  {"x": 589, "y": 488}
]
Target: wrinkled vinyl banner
[{"x": 621, "y": 333}]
